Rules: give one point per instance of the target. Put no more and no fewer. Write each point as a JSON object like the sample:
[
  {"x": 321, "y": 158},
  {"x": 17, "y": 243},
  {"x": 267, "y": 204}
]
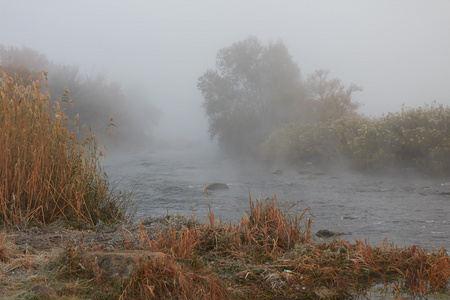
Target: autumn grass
[
  {"x": 412, "y": 138},
  {"x": 166, "y": 279},
  {"x": 49, "y": 169},
  {"x": 270, "y": 254},
  {"x": 4, "y": 249}
]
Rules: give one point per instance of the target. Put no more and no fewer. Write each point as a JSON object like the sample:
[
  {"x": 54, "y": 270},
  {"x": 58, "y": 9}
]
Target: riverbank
[{"x": 270, "y": 254}]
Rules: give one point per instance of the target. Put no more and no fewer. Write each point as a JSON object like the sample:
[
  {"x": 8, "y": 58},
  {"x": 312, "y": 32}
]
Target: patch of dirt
[{"x": 27, "y": 252}]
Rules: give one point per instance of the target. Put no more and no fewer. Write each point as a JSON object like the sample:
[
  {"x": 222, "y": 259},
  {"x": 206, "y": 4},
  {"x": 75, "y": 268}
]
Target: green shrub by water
[{"x": 414, "y": 137}]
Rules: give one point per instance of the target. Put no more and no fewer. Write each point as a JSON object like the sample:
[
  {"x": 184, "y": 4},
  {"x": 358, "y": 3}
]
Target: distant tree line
[
  {"x": 95, "y": 100},
  {"x": 257, "y": 88}
]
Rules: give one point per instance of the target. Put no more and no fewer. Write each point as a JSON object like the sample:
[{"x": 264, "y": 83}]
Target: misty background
[{"x": 396, "y": 50}]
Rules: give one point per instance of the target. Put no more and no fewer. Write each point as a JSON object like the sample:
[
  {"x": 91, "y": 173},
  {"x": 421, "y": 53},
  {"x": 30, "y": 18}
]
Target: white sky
[{"x": 398, "y": 51}]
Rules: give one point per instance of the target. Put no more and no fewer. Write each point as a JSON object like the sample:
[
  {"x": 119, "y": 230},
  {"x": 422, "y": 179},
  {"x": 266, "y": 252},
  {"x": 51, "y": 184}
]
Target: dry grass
[
  {"x": 4, "y": 248},
  {"x": 166, "y": 279},
  {"x": 281, "y": 259},
  {"x": 347, "y": 269},
  {"x": 266, "y": 255},
  {"x": 48, "y": 172}
]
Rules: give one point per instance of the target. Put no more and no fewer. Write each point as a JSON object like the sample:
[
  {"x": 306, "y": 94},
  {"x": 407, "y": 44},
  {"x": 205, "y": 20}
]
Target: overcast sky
[{"x": 398, "y": 51}]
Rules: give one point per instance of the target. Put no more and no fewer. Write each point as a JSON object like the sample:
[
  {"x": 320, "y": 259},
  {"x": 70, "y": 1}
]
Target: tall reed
[{"x": 47, "y": 171}]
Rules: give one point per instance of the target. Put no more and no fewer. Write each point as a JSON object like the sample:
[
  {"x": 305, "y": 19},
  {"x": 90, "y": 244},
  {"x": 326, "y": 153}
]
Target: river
[{"x": 406, "y": 208}]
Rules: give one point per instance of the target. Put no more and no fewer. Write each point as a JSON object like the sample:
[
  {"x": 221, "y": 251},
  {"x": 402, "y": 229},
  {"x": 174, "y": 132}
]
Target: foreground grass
[
  {"x": 49, "y": 170},
  {"x": 269, "y": 254}
]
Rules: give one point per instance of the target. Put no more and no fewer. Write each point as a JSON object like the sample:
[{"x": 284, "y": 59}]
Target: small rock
[
  {"x": 324, "y": 293},
  {"x": 121, "y": 264},
  {"x": 325, "y": 233},
  {"x": 99, "y": 226},
  {"x": 42, "y": 290},
  {"x": 217, "y": 186},
  {"x": 278, "y": 172}
]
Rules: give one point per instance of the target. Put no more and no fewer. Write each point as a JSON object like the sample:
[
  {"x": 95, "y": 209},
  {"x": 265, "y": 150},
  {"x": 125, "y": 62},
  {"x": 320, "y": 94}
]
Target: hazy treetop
[{"x": 397, "y": 50}]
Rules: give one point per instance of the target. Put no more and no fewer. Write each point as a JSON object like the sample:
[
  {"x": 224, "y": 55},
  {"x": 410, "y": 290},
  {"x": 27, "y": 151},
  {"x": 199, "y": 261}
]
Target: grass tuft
[{"x": 48, "y": 172}]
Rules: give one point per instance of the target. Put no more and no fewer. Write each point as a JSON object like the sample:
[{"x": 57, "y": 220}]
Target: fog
[{"x": 396, "y": 50}]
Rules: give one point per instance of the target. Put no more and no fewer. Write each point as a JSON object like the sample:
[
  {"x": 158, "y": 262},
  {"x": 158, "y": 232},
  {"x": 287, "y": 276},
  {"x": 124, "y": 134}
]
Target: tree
[
  {"x": 26, "y": 63},
  {"x": 253, "y": 89},
  {"x": 329, "y": 99},
  {"x": 95, "y": 99}
]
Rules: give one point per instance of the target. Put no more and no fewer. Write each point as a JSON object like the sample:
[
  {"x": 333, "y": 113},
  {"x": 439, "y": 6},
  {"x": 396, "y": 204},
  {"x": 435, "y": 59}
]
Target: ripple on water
[{"x": 405, "y": 209}]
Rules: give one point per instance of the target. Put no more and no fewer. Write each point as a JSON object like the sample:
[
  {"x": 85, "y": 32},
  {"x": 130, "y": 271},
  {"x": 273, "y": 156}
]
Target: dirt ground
[{"x": 26, "y": 253}]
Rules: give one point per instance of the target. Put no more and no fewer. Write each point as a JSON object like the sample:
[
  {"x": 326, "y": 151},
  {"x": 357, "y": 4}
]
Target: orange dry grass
[
  {"x": 347, "y": 268},
  {"x": 4, "y": 250},
  {"x": 272, "y": 238},
  {"x": 165, "y": 279},
  {"x": 270, "y": 229},
  {"x": 45, "y": 172},
  {"x": 264, "y": 234}
]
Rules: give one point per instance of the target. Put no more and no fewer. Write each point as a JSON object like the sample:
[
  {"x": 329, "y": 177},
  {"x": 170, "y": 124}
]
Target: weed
[
  {"x": 47, "y": 171},
  {"x": 165, "y": 279},
  {"x": 4, "y": 249}
]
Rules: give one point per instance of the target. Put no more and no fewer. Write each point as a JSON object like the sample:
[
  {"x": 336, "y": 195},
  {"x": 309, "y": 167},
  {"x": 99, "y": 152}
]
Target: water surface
[{"x": 405, "y": 208}]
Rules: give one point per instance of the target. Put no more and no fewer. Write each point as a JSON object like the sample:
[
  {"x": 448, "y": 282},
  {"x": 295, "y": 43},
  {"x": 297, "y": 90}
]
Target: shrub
[{"x": 414, "y": 137}]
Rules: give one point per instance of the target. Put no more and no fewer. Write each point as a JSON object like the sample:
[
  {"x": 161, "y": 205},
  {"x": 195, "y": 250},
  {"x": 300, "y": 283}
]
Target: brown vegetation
[
  {"x": 48, "y": 172},
  {"x": 267, "y": 254}
]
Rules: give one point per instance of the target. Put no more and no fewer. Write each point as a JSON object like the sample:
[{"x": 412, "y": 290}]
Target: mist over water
[
  {"x": 396, "y": 50},
  {"x": 404, "y": 208}
]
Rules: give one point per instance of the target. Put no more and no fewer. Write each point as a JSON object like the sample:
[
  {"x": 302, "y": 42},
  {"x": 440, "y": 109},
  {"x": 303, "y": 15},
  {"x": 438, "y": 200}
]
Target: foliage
[
  {"x": 321, "y": 142},
  {"x": 48, "y": 172},
  {"x": 256, "y": 88},
  {"x": 414, "y": 137},
  {"x": 253, "y": 89},
  {"x": 95, "y": 99}
]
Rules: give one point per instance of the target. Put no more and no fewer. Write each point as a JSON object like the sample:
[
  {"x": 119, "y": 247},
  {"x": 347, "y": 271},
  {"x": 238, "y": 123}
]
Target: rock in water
[
  {"x": 278, "y": 172},
  {"x": 217, "y": 186},
  {"x": 325, "y": 233}
]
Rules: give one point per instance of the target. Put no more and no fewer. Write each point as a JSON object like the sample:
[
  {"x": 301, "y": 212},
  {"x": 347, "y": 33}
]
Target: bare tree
[{"x": 329, "y": 99}]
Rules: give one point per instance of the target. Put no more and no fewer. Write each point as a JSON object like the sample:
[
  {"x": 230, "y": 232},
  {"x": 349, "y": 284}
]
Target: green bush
[{"x": 414, "y": 138}]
